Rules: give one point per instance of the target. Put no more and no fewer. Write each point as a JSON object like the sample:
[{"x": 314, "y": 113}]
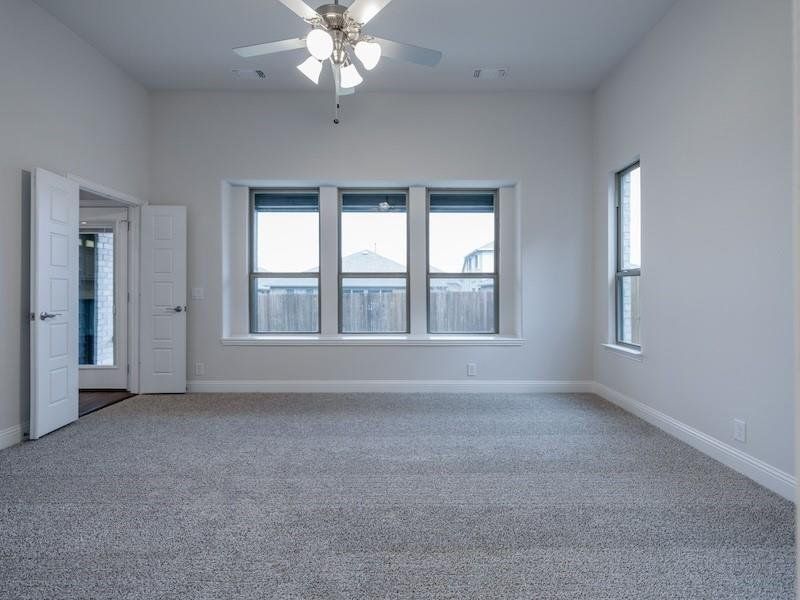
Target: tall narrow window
[
  {"x": 629, "y": 255},
  {"x": 373, "y": 268},
  {"x": 284, "y": 273},
  {"x": 462, "y": 262}
]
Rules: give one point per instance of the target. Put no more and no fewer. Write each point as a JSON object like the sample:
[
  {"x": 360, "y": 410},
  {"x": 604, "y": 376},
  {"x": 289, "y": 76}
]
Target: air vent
[
  {"x": 490, "y": 73},
  {"x": 249, "y": 74}
]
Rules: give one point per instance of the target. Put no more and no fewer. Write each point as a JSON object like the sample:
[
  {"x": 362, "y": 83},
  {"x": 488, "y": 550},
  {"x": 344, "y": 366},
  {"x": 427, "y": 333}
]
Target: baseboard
[
  {"x": 770, "y": 477},
  {"x": 12, "y": 435},
  {"x": 390, "y": 385}
]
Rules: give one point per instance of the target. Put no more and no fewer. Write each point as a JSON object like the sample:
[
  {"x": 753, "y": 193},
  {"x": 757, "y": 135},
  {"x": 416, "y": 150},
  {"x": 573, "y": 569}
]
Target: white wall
[
  {"x": 541, "y": 141},
  {"x": 706, "y": 101},
  {"x": 65, "y": 108}
]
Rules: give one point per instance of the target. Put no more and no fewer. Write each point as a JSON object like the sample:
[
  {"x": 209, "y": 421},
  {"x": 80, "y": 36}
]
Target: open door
[
  {"x": 54, "y": 302},
  {"x": 163, "y": 300}
]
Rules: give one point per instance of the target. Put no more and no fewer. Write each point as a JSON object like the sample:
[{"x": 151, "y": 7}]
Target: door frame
[{"x": 134, "y": 206}]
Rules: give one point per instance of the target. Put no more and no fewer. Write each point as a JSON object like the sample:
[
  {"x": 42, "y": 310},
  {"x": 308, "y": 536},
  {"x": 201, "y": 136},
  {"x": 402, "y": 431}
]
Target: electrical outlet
[
  {"x": 472, "y": 369},
  {"x": 740, "y": 430},
  {"x": 199, "y": 369}
]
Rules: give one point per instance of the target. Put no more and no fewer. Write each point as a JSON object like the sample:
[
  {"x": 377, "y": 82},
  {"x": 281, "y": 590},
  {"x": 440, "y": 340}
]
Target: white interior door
[
  {"x": 54, "y": 302},
  {"x": 163, "y": 300}
]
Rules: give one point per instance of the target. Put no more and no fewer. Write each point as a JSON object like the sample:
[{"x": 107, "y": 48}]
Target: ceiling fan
[{"x": 336, "y": 34}]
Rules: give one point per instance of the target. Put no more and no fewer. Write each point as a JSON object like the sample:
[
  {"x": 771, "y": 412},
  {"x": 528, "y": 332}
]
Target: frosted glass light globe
[
  {"x": 350, "y": 77},
  {"x": 369, "y": 53},
  {"x": 320, "y": 44},
  {"x": 311, "y": 68}
]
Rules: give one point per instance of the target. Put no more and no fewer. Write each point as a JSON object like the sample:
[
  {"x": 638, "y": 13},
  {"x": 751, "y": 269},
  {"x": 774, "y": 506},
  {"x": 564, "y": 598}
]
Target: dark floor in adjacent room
[
  {"x": 92, "y": 400},
  {"x": 382, "y": 496}
]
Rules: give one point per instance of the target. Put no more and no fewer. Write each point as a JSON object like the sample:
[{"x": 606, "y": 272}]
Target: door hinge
[{"x": 33, "y": 316}]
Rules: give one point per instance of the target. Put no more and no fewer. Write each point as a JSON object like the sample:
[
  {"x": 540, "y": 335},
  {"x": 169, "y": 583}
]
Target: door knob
[
  {"x": 176, "y": 309},
  {"x": 46, "y": 315}
]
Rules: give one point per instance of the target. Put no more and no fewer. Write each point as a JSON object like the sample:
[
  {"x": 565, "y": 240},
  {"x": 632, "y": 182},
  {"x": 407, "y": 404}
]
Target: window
[
  {"x": 370, "y": 266},
  {"x": 284, "y": 272},
  {"x": 629, "y": 255},
  {"x": 373, "y": 262},
  {"x": 96, "y": 296},
  {"x": 462, "y": 262}
]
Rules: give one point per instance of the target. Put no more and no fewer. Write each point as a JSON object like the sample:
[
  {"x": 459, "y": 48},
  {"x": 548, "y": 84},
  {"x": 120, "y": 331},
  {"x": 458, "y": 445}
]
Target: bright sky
[
  {"x": 635, "y": 257},
  {"x": 279, "y": 231},
  {"x": 453, "y": 236},
  {"x": 383, "y": 233}
]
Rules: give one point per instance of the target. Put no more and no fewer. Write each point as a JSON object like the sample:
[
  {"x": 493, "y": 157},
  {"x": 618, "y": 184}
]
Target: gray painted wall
[
  {"x": 706, "y": 101},
  {"x": 65, "y": 108},
  {"x": 543, "y": 141}
]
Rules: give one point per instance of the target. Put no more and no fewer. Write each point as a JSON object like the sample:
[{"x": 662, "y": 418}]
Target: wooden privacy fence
[
  {"x": 462, "y": 311},
  {"x": 375, "y": 311},
  {"x": 278, "y": 311}
]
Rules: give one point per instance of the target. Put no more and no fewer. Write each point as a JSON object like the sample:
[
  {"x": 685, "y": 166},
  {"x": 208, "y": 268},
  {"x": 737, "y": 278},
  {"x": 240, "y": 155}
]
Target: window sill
[
  {"x": 631, "y": 353},
  {"x": 371, "y": 340}
]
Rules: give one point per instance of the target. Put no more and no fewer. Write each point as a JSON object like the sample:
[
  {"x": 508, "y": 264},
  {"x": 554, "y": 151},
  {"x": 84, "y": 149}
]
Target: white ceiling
[{"x": 546, "y": 44}]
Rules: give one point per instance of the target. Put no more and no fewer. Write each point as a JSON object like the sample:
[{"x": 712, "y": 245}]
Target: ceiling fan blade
[
  {"x": 300, "y": 8},
  {"x": 362, "y": 11},
  {"x": 340, "y": 91},
  {"x": 270, "y": 47},
  {"x": 409, "y": 53}
]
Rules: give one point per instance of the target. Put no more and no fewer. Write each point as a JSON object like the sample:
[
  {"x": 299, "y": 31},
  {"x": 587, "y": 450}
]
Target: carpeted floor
[{"x": 382, "y": 496}]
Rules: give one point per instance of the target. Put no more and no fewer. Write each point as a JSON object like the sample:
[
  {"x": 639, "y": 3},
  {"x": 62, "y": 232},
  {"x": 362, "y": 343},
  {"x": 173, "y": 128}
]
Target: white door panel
[
  {"x": 54, "y": 302},
  {"x": 163, "y": 300}
]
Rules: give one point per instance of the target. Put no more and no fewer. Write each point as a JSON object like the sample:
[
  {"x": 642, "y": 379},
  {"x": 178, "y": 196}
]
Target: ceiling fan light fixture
[
  {"x": 320, "y": 44},
  {"x": 369, "y": 53},
  {"x": 311, "y": 68},
  {"x": 350, "y": 76}
]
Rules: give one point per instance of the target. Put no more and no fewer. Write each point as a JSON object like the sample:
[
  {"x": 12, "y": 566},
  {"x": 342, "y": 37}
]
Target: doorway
[
  {"x": 144, "y": 247},
  {"x": 103, "y": 323}
]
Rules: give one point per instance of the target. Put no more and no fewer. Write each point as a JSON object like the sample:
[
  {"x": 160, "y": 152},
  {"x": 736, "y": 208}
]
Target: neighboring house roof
[
  {"x": 482, "y": 251},
  {"x": 367, "y": 261},
  {"x": 364, "y": 261},
  {"x": 485, "y": 248}
]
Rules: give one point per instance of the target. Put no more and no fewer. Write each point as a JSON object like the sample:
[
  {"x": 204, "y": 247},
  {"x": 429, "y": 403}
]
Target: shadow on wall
[{"x": 25, "y": 300}]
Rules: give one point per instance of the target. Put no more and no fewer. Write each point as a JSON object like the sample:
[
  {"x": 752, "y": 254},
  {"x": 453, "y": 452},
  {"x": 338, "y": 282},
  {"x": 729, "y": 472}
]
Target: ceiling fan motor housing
[
  {"x": 333, "y": 15},
  {"x": 344, "y": 30}
]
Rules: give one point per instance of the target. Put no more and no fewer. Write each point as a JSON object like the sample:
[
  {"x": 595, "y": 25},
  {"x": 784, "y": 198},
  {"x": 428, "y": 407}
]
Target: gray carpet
[{"x": 382, "y": 496}]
